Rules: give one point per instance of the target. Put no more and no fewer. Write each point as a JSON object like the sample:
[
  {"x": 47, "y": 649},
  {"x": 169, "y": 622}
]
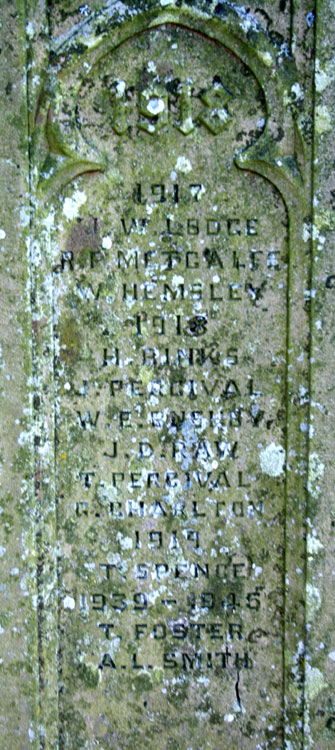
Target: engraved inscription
[
  {"x": 154, "y": 105},
  {"x": 157, "y": 98},
  {"x": 170, "y": 288}
]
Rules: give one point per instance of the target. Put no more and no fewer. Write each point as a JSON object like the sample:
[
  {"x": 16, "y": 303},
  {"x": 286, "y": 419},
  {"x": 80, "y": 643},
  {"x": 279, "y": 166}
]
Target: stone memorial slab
[{"x": 172, "y": 487}]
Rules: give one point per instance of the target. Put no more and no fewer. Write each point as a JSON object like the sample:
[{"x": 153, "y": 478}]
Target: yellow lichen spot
[
  {"x": 146, "y": 375},
  {"x": 325, "y": 219},
  {"x": 266, "y": 58}
]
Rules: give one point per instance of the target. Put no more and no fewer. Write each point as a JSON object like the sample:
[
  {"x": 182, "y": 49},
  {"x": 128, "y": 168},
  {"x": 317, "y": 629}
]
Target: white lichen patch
[
  {"x": 151, "y": 67},
  {"x": 297, "y": 91},
  {"x": 106, "y": 242},
  {"x": 272, "y": 460},
  {"x": 238, "y": 708},
  {"x": 315, "y": 682},
  {"x": 120, "y": 89},
  {"x": 229, "y": 718},
  {"x": 183, "y": 165},
  {"x": 303, "y": 395},
  {"x": 257, "y": 570},
  {"x": 24, "y": 216},
  {"x": 313, "y": 545},
  {"x": 72, "y": 205},
  {"x": 177, "y": 280},
  {"x": 323, "y": 121},
  {"x": 49, "y": 220},
  {"x": 106, "y": 494},
  {"x": 30, "y": 31},
  {"x": 313, "y": 600},
  {"x": 31, "y": 734},
  {"x": 155, "y": 105},
  {"x": 125, "y": 542},
  {"x": 306, "y": 232},
  {"x": 322, "y": 79},
  {"x": 197, "y": 192},
  {"x": 315, "y": 473},
  {"x": 69, "y": 602}
]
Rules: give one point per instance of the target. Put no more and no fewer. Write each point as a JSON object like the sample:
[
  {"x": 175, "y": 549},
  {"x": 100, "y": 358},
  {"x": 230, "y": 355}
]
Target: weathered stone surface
[
  {"x": 172, "y": 538},
  {"x": 18, "y": 622}
]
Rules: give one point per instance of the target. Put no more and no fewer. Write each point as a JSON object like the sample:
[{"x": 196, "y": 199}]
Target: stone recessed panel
[{"x": 170, "y": 314}]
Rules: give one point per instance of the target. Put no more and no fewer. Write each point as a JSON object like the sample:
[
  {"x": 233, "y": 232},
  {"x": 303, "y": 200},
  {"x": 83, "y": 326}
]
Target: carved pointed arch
[{"x": 278, "y": 154}]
